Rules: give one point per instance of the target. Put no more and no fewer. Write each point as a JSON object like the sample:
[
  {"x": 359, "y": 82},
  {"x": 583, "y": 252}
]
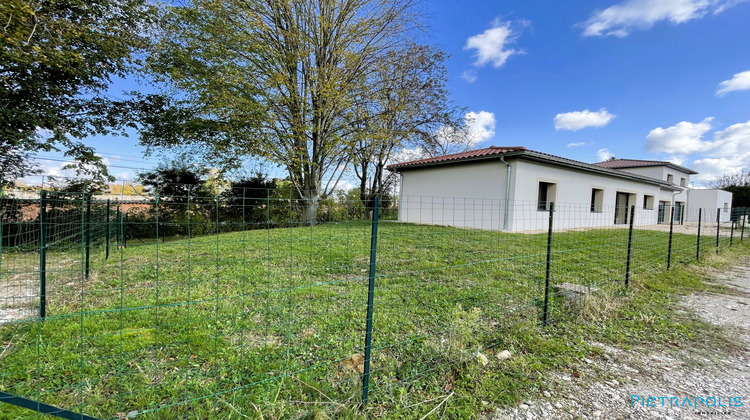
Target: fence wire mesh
[{"x": 212, "y": 307}]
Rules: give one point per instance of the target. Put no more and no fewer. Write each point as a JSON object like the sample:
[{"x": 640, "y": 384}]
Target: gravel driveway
[{"x": 606, "y": 386}]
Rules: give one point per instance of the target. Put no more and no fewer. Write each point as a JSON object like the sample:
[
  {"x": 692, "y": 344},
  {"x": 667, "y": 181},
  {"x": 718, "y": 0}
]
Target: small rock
[
  {"x": 482, "y": 359},
  {"x": 505, "y": 354},
  {"x": 546, "y": 394},
  {"x": 597, "y": 414},
  {"x": 558, "y": 405},
  {"x": 523, "y": 407}
]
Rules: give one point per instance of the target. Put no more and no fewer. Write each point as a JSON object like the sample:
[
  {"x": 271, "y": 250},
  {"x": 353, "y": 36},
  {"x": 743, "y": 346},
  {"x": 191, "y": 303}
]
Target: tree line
[{"x": 321, "y": 88}]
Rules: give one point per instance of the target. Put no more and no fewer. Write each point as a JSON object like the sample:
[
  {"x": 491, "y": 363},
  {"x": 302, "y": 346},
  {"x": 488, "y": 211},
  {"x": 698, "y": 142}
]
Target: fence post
[
  {"x": 107, "y": 233},
  {"x": 43, "y": 255},
  {"x": 718, "y": 226},
  {"x": 731, "y": 229},
  {"x": 698, "y": 244},
  {"x": 125, "y": 229},
  {"x": 2, "y": 196},
  {"x": 370, "y": 301},
  {"x": 87, "y": 232},
  {"x": 630, "y": 246},
  {"x": 742, "y": 232},
  {"x": 545, "y": 310},
  {"x": 669, "y": 248}
]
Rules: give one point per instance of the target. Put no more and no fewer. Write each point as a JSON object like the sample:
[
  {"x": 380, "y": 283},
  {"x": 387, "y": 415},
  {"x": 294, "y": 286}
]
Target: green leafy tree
[
  {"x": 174, "y": 182},
  {"x": 406, "y": 104},
  {"x": 56, "y": 62},
  {"x": 273, "y": 78}
]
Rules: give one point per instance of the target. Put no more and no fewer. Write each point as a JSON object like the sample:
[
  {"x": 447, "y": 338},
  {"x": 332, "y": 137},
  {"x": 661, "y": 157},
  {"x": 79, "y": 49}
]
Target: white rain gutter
[{"x": 507, "y": 193}]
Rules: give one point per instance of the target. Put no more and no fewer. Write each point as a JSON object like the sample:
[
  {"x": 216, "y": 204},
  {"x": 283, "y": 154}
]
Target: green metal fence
[{"x": 218, "y": 307}]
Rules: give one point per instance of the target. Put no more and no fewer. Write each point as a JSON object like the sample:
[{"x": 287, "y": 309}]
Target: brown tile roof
[
  {"x": 635, "y": 163},
  {"x": 492, "y": 150},
  {"x": 487, "y": 153}
]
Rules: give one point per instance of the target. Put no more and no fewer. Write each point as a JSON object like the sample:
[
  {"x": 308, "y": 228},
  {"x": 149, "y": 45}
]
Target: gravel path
[{"x": 604, "y": 387}]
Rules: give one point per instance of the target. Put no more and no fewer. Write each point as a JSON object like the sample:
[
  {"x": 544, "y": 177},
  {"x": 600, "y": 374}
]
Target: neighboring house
[
  {"x": 511, "y": 188},
  {"x": 711, "y": 201}
]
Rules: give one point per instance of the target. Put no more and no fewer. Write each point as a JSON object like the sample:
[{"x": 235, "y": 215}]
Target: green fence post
[
  {"x": 125, "y": 230},
  {"x": 43, "y": 255},
  {"x": 2, "y": 197},
  {"x": 370, "y": 301},
  {"x": 731, "y": 229},
  {"x": 718, "y": 226},
  {"x": 669, "y": 248},
  {"x": 742, "y": 232},
  {"x": 87, "y": 232},
  {"x": 698, "y": 243},
  {"x": 545, "y": 310},
  {"x": 630, "y": 246},
  {"x": 107, "y": 234}
]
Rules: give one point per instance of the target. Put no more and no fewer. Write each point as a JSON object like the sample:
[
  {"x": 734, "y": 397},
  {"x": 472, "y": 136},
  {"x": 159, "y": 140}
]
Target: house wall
[
  {"x": 464, "y": 195},
  {"x": 473, "y": 195},
  {"x": 662, "y": 173},
  {"x": 573, "y": 197},
  {"x": 709, "y": 201}
]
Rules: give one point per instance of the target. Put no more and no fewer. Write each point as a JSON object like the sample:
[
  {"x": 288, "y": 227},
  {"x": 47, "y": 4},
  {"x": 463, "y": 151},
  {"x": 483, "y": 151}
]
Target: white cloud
[
  {"x": 574, "y": 121},
  {"x": 345, "y": 185},
  {"x": 622, "y": 18},
  {"x": 578, "y": 144},
  {"x": 683, "y": 138},
  {"x": 725, "y": 153},
  {"x": 495, "y": 44},
  {"x": 478, "y": 127},
  {"x": 470, "y": 76},
  {"x": 604, "y": 154},
  {"x": 740, "y": 81},
  {"x": 409, "y": 154}
]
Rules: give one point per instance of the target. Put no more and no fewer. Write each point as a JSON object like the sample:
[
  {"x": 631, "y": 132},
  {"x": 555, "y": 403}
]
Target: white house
[
  {"x": 674, "y": 174},
  {"x": 511, "y": 188},
  {"x": 711, "y": 200}
]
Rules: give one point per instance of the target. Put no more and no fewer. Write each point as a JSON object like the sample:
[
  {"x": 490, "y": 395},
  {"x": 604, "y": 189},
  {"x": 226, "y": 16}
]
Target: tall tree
[
  {"x": 56, "y": 61},
  {"x": 405, "y": 103},
  {"x": 276, "y": 78}
]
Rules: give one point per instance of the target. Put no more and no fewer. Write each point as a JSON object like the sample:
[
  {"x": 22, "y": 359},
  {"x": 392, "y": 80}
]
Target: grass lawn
[{"x": 271, "y": 323}]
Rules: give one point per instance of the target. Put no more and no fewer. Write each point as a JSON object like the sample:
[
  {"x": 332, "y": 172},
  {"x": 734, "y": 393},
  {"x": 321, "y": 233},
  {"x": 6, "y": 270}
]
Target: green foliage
[
  {"x": 462, "y": 332},
  {"x": 56, "y": 61},
  {"x": 174, "y": 181},
  {"x": 274, "y": 79},
  {"x": 268, "y": 323}
]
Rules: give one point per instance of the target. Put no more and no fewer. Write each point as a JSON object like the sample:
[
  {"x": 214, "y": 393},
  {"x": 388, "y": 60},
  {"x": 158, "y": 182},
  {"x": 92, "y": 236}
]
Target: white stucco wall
[
  {"x": 574, "y": 197},
  {"x": 464, "y": 195},
  {"x": 709, "y": 200},
  {"x": 473, "y": 195},
  {"x": 662, "y": 173}
]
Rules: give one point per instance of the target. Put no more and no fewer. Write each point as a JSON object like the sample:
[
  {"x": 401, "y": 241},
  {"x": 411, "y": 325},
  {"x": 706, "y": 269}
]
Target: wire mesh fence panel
[{"x": 244, "y": 304}]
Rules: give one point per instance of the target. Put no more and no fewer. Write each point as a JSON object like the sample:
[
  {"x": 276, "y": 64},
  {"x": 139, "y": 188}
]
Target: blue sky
[{"x": 644, "y": 79}]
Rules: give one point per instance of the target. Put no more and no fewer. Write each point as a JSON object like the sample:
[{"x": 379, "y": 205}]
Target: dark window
[
  {"x": 546, "y": 195},
  {"x": 597, "y": 199},
  {"x": 648, "y": 202}
]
